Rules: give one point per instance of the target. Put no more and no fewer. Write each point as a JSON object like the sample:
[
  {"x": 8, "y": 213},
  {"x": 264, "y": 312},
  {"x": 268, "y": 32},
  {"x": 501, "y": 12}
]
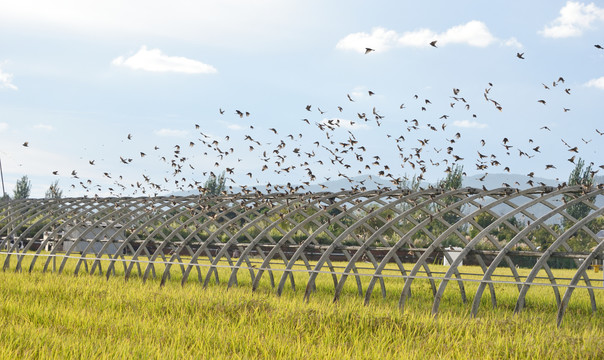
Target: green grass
[{"x": 53, "y": 315}]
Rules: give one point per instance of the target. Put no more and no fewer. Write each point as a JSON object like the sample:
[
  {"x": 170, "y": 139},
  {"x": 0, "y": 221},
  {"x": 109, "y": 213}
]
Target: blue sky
[{"x": 76, "y": 77}]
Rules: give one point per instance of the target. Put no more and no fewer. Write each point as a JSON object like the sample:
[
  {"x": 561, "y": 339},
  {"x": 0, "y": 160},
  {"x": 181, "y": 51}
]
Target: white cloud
[
  {"x": 3, "y": 126},
  {"x": 156, "y": 61},
  {"x": 44, "y": 127},
  {"x": 598, "y": 83},
  {"x": 469, "y": 124},
  {"x": 205, "y": 23},
  {"x": 574, "y": 18},
  {"x": 418, "y": 38},
  {"x": 359, "y": 92},
  {"x": 473, "y": 33},
  {"x": 513, "y": 42},
  {"x": 380, "y": 39},
  {"x": 235, "y": 127},
  {"x": 6, "y": 80},
  {"x": 171, "y": 133}
]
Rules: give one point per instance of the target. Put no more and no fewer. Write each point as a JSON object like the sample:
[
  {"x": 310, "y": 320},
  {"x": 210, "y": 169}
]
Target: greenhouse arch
[{"x": 368, "y": 236}]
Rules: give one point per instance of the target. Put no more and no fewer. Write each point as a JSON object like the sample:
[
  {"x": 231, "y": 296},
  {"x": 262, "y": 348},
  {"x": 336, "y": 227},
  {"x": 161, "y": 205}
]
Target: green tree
[
  {"x": 412, "y": 184},
  {"x": 483, "y": 219},
  {"x": 505, "y": 232},
  {"x": 543, "y": 238},
  {"x": 580, "y": 175},
  {"x": 54, "y": 192},
  {"x": 22, "y": 189},
  {"x": 453, "y": 180},
  {"x": 215, "y": 185}
]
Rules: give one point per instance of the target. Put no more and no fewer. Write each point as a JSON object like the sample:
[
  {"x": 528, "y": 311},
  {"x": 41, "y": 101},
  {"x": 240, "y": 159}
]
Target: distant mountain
[
  {"x": 368, "y": 181},
  {"x": 490, "y": 181},
  {"x": 494, "y": 181}
]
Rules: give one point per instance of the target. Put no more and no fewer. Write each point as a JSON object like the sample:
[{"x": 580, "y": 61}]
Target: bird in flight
[
  {"x": 599, "y": 47},
  {"x": 26, "y": 144},
  {"x": 368, "y": 50},
  {"x": 520, "y": 56},
  {"x": 433, "y": 43}
]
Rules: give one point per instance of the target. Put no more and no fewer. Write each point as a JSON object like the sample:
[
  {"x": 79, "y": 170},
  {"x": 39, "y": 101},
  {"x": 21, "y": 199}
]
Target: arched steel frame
[{"x": 311, "y": 230}]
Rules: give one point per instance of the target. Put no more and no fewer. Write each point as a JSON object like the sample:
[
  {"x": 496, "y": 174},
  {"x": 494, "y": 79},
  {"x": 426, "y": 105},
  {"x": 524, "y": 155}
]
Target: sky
[{"x": 78, "y": 77}]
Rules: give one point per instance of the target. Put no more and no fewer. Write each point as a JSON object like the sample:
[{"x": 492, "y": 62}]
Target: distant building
[
  {"x": 50, "y": 243},
  {"x": 454, "y": 253},
  {"x": 90, "y": 234}
]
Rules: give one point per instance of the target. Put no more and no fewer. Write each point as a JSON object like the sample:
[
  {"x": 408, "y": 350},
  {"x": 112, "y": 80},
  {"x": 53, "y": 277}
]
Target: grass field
[{"x": 53, "y": 315}]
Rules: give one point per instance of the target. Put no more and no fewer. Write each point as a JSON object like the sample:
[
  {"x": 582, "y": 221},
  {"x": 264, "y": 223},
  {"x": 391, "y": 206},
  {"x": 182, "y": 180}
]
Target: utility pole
[{"x": 2, "y": 177}]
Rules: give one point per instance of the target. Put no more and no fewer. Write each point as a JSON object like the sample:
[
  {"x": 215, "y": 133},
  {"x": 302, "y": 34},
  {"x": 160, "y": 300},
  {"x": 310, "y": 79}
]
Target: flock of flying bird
[{"x": 337, "y": 150}]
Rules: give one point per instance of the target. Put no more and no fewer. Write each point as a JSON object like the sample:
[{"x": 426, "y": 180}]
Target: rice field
[{"x": 50, "y": 315}]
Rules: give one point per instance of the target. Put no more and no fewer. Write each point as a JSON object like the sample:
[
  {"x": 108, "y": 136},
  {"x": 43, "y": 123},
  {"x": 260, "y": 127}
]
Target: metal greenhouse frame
[{"x": 277, "y": 235}]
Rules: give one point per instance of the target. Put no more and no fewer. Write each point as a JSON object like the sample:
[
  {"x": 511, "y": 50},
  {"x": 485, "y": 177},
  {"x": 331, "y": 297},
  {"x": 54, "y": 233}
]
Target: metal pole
[{"x": 2, "y": 177}]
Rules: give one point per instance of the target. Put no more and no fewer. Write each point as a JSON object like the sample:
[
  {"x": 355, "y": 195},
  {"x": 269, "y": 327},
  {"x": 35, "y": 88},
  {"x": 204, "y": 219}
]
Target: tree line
[{"x": 22, "y": 190}]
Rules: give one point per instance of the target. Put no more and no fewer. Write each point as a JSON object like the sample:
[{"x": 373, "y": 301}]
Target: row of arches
[{"x": 381, "y": 228}]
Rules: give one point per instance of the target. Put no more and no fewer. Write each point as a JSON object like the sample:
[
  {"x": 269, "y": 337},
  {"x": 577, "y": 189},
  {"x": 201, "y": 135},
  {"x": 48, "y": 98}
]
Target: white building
[
  {"x": 454, "y": 253},
  {"x": 99, "y": 235}
]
